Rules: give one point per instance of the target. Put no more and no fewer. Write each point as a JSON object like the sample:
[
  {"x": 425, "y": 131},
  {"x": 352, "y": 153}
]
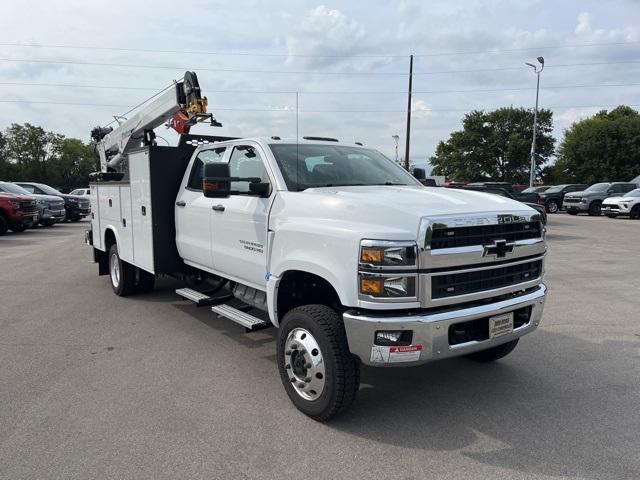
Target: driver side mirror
[{"x": 217, "y": 182}]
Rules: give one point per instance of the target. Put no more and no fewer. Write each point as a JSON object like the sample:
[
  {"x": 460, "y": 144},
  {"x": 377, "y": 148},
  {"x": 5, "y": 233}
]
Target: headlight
[
  {"x": 14, "y": 204},
  {"x": 377, "y": 253},
  {"x": 387, "y": 270},
  {"x": 41, "y": 202},
  {"x": 72, "y": 200},
  {"x": 584, "y": 200},
  {"x": 387, "y": 286}
]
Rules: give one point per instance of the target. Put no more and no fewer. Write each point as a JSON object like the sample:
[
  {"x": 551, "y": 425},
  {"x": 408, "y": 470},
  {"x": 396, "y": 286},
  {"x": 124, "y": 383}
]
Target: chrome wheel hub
[
  {"x": 114, "y": 269},
  {"x": 304, "y": 364}
]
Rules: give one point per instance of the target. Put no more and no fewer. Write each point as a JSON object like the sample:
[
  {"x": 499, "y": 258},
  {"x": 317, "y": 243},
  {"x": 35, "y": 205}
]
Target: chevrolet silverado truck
[
  {"x": 351, "y": 258},
  {"x": 17, "y": 212},
  {"x": 590, "y": 200},
  {"x": 50, "y": 207},
  {"x": 626, "y": 205}
]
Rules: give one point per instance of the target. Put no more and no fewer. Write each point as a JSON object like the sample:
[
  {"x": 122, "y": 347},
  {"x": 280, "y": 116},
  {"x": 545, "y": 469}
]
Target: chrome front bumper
[{"x": 431, "y": 330}]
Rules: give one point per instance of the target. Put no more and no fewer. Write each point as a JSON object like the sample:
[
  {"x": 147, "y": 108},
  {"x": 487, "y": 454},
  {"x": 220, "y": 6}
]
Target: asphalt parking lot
[{"x": 97, "y": 386}]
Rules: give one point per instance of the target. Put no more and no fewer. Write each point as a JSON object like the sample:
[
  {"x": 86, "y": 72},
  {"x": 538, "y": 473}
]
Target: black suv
[{"x": 553, "y": 197}]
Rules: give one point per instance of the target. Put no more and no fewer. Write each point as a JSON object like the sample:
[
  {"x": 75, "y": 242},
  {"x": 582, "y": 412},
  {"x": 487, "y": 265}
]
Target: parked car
[
  {"x": 507, "y": 194},
  {"x": 82, "y": 192},
  {"x": 50, "y": 207},
  {"x": 590, "y": 200},
  {"x": 76, "y": 206},
  {"x": 628, "y": 204},
  {"x": 553, "y": 197},
  {"x": 531, "y": 197},
  {"x": 17, "y": 212},
  {"x": 539, "y": 189}
]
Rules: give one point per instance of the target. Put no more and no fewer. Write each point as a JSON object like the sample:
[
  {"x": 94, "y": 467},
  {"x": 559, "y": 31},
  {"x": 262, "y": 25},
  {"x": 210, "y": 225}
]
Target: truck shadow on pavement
[{"x": 540, "y": 417}]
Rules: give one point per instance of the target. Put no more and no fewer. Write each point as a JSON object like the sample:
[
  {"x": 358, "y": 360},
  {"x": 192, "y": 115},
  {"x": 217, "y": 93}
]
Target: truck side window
[
  {"x": 246, "y": 162},
  {"x": 197, "y": 171}
]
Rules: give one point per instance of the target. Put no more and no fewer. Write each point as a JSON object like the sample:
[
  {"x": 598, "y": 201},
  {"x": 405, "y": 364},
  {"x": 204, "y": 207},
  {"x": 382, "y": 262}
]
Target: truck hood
[
  {"x": 15, "y": 196},
  {"x": 390, "y": 209},
  {"x": 583, "y": 194},
  {"x": 47, "y": 198}
]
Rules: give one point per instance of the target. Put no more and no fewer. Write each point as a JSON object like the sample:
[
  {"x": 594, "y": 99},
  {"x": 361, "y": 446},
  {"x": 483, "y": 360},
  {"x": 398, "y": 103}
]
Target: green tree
[
  {"x": 71, "y": 165},
  {"x": 30, "y": 148},
  {"x": 495, "y": 146},
  {"x": 603, "y": 147}
]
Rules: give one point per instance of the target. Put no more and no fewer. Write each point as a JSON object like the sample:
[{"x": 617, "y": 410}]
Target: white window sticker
[{"x": 409, "y": 353}]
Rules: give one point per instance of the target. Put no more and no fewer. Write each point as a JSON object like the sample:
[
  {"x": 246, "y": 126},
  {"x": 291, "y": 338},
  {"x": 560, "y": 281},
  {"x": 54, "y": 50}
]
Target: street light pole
[
  {"x": 532, "y": 173},
  {"x": 396, "y": 138}
]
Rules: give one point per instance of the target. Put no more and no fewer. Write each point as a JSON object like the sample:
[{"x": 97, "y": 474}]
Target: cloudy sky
[{"x": 348, "y": 60}]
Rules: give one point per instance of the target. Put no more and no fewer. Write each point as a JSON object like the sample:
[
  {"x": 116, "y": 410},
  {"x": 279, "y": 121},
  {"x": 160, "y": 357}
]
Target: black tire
[
  {"x": 635, "y": 212},
  {"x": 47, "y": 223},
  {"x": 3, "y": 225},
  {"x": 595, "y": 208},
  {"x": 611, "y": 215},
  {"x": 144, "y": 281},
  {"x": 494, "y": 353},
  {"x": 122, "y": 283},
  {"x": 75, "y": 219},
  {"x": 572, "y": 212},
  {"x": 552, "y": 206},
  {"x": 18, "y": 229},
  {"x": 342, "y": 369}
]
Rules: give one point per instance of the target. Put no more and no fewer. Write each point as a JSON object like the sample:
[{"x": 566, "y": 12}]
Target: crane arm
[{"x": 181, "y": 105}]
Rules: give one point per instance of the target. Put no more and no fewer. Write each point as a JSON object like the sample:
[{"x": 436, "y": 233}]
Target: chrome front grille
[
  {"x": 484, "y": 234},
  {"x": 453, "y": 284},
  {"x": 28, "y": 207},
  {"x": 479, "y": 256}
]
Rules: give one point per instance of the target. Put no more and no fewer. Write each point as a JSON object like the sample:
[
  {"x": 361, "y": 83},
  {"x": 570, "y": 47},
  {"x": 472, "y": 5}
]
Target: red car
[{"x": 17, "y": 212}]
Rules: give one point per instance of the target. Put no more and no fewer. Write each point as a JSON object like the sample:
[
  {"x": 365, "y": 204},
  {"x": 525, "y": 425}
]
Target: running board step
[
  {"x": 247, "y": 320},
  {"x": 199, "y": 298}
]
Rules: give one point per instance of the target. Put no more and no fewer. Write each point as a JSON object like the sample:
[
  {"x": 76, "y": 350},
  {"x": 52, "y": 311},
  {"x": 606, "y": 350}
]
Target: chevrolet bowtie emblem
[{"x": 500, "y": 248}]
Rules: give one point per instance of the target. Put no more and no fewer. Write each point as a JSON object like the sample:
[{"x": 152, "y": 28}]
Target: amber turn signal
[
  {"x": 371, "y": 255},
  {"x": 371, "y": 286}
]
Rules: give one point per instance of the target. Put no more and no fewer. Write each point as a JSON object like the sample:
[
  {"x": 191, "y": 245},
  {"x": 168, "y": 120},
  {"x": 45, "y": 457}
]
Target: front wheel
[
  {"x": 121, "y": 274},
  {"x": 319, "y": 373},
  {"x": 552, "y": 206},
  {"x": 3, "y": 225},
  {"x": 635, "y": 212},
  {"x": 47, "y": 223},
  {"x": 18, "y": 229},
  {"x": 595, "y": 209},
  {"x": 494, "y": 353}
]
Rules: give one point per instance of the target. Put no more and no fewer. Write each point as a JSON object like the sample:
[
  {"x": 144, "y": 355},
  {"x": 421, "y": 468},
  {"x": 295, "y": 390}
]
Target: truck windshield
[
  {"x": 556, "y": 189},
  {"x": 633, "y": 193},
  {"x": 307, "y": 166},
  {"x": 47, "y": 189},
  {"x": 597, "y": 187},
  {"x": 13, "y": 188}
]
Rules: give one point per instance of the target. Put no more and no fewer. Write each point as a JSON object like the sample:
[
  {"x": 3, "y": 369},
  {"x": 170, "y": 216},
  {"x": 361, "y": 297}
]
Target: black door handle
[
  {"x": 218, "y": 208},
  {"x": 181, "y": 203}
]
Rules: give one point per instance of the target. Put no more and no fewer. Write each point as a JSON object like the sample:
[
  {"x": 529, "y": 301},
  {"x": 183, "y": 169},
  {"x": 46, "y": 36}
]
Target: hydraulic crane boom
[{"x": 181, "y": 105}]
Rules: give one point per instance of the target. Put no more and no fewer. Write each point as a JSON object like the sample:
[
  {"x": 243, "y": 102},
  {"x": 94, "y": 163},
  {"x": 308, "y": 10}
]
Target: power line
[
  {"x": 329, "y": 92},
  {"x": 306, "y": 72},
  {"x": 291, "y": 110},
  {"x": 311, "y": 55}
]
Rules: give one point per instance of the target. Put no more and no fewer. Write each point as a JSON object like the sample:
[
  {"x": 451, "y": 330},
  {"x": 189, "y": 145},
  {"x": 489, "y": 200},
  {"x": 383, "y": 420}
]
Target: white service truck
[{"x": 348, "y": 255}]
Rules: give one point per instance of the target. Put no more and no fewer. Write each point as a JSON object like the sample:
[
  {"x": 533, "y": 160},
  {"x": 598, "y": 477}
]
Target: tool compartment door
[{"x": 141, "y": 214}]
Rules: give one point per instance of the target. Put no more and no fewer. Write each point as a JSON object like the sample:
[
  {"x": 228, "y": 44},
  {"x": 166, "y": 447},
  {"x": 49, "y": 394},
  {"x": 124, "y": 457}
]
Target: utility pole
[
  {"x": 406, "y": 146},
  {"x": 532, "y": 173}
]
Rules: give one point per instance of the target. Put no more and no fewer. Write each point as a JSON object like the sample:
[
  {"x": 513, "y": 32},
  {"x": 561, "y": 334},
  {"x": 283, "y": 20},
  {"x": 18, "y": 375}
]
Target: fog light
[{"x": 393, "y": 337}]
